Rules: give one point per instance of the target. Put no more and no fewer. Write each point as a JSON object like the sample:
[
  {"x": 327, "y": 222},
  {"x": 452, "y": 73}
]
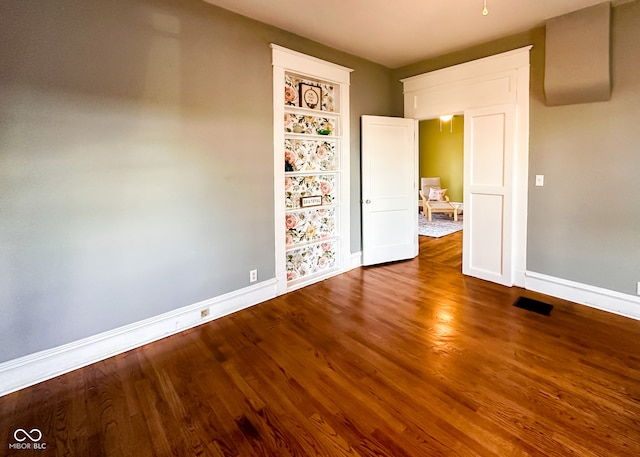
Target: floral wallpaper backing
[
  {"x": 309, "y": 125},
  {"x": 310, "y": 155},
  {"x": 314, "y": 227},
  {"x": 310, "y": 260},
  {"x": 291, "y": 92},
  {"x": 310, "y": 225},
  {"x": 296, "y": 187}
]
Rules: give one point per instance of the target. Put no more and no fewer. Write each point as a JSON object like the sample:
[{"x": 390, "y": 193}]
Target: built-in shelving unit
[{"x": 311, "y": 160}]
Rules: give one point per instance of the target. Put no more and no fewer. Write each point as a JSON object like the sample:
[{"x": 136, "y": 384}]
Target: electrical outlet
[
  {"x": 539, "y": 180},
  {"x": 638, "y": 289},
  {"x": 253, "y": 275},
  {"x": 204, "y": 313}
]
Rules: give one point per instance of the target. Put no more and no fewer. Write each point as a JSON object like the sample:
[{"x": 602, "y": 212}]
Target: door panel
[
  {"x": 487, "y": 161},
  {"x": 487, "y": 223},
  {"x": 389, "y": 189},
  {"x": 486, "y": 212}
]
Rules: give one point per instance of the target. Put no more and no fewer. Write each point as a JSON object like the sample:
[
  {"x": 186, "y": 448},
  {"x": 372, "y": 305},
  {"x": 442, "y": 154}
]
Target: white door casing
[
  {"x": 389, "y": 189},
  {"x": 502, "y": 79},
  {"x": 488, "y": 152}
]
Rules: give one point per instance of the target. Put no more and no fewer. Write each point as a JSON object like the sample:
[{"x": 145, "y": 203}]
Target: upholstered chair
[{"x": 434, "y": 199}]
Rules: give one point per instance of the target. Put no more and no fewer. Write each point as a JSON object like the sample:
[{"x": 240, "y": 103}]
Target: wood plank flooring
[{"x": 398, "y": 360}]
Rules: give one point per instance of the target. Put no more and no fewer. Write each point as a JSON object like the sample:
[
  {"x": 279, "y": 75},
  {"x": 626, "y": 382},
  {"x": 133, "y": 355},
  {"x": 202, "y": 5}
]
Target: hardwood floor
[{"x": 404, "y": 359}]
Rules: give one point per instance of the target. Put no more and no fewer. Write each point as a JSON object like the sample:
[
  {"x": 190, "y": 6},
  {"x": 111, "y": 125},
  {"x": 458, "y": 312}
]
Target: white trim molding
[
  {"x": 519, "y": 277},
  {"x": 309, "y": 65},
  {"x": 475, "y": 69},
  {"x": 585, "y": 294},
  {"x": 34, "y": 368}
]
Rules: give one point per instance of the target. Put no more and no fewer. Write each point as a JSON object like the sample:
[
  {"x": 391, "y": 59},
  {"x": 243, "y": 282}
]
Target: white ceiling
[{"x": 400, "y": 32}]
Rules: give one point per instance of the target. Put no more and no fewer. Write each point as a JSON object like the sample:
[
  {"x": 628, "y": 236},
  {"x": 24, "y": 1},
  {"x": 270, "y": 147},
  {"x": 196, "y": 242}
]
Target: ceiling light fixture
[
  {"x": 447, "y": 118},
  {"x": 485, "y": 11}
]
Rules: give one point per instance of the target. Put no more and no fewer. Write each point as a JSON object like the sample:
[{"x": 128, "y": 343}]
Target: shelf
[
  {"x": 305, "y": 261},
  {"x": 309, "y": 208},
  {"x": 310, "y": 112},
  {"x": 312, "y": 136},
  {"x": 293, "y": 247},
  {"x": 307, "y": 125},
  {"x": 310, "y": 172}
]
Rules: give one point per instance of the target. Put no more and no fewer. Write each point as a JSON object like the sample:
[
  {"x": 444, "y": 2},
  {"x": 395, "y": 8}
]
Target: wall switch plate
[
  {"x": 638, "y": 289},
  {"x": 253, "y": 275},
  {"x": 539, "y": 180}
]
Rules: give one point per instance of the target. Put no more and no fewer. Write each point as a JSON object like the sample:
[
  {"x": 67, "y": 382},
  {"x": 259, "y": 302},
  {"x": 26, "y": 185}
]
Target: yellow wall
[{"x": 442, "y": 154}]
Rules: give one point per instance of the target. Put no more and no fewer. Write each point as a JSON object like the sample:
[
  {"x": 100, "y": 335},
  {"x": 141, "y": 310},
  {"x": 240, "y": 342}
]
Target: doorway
[
  {"x": 441, "y": 155},
  {"x": 493, "y": 94}
]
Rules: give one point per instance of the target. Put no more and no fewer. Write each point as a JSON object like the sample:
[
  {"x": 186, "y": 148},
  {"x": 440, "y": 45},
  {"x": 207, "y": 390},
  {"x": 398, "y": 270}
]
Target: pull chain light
[{"x": 485, "y": 11}]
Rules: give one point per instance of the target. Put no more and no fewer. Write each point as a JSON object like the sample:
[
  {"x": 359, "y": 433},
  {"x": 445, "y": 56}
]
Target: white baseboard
[
  {"x": 34, "y": 368},
  {"x": 352, "y": 261},
  {"x": 595, "y": 297},
  {"x": 519, "y": 278}
]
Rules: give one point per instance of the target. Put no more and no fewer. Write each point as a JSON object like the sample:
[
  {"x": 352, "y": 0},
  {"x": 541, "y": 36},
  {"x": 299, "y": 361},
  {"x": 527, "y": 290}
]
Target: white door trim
[{"x": 497, "y": 80}]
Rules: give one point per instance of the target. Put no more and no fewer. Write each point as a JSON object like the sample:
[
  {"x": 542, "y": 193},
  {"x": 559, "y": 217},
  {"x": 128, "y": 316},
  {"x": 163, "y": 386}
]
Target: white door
[
  {"x": 488, "y": 151},
  {"x": 389, "y": 189}
]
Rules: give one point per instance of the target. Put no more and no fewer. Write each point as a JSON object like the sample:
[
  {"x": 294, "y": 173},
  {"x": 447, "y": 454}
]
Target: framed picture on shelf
[{"x": 310, "y": 96}]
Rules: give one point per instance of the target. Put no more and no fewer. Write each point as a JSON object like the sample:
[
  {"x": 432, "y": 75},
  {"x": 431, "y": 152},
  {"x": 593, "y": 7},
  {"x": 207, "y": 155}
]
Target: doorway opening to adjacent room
[
  {"x": 493, "y": 95},
  {"x": 441, "y": 155}
]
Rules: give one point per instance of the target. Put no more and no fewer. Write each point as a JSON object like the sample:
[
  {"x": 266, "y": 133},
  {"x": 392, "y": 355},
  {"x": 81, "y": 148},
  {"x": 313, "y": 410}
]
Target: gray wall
[
  {"x": 584, "y": 224},
  {"x": 136, "y": 160}
]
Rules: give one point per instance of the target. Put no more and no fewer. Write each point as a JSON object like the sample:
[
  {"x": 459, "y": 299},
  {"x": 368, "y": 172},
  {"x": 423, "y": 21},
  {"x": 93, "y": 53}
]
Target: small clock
[{"x": 310, "y": 96}]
